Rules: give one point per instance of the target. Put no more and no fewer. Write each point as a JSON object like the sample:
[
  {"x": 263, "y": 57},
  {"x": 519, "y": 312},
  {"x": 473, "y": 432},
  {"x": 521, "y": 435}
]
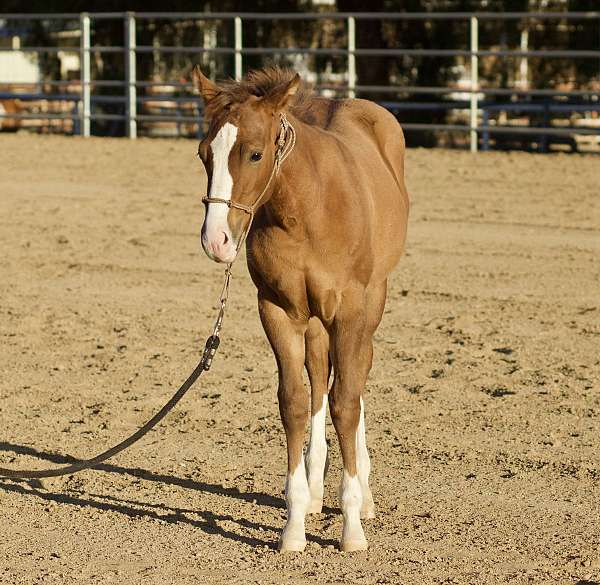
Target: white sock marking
[
  {"x": 317, "y": 452},
  {"x": 363, "y": 463},
  {"x": 297, "y": 498},
  {"x": 351, "y": 503}
]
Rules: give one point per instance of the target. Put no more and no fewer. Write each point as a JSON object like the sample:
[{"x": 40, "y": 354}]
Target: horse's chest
[{"x": 288, "y": 276}]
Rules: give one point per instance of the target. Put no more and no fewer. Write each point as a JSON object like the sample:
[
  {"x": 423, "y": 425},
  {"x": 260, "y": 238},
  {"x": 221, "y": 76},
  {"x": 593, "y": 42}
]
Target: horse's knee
[
  {"x": 345, "y": 411},
  {"x": 293, "y": 407}
]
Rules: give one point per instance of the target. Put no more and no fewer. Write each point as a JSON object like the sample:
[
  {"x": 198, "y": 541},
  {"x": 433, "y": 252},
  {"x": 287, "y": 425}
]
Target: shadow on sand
[{"x": 206, "y": 520}]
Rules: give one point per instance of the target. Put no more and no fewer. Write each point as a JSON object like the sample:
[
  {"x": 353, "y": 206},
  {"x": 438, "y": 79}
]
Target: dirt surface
[{"x": 483, "y": 410}]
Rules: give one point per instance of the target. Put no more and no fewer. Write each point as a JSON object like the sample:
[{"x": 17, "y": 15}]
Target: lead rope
[
  {"x": 210, "y": 348},
  {"x": 285, "y": 144},
  {"x": 212, "y": 343}
]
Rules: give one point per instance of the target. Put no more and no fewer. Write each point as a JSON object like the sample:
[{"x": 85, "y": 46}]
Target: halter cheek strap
[{"x": 286, "y": 140}]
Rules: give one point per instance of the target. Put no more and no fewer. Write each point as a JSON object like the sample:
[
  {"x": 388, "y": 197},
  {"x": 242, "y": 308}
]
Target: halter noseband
[{"x": 286, "y": 140}]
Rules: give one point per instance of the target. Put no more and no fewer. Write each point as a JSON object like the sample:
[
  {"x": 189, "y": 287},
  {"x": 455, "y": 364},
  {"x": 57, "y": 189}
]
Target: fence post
[
  {"x": 86, "y": 88},
  {"x": 237, "y": 22},
  {"x": 130, "y": 75},
  {"x": 474, "y": 83},
  {"x": 524, "y": 65},
  {"x": 351, "y": 22}
]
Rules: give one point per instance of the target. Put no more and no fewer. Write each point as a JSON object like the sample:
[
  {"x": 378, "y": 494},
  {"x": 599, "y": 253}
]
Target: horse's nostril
[{"x": 225, "y": 238}]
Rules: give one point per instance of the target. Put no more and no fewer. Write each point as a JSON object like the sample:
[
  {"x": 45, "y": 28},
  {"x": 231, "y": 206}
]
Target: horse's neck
[{"x": 296, "y": 192}]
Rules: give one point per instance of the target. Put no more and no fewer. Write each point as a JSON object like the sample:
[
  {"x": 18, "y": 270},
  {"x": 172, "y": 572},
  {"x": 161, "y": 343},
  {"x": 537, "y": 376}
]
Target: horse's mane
[{"x": 260, "y": 83}]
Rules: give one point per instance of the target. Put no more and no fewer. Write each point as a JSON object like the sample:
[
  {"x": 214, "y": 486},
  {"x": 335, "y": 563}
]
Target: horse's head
[{"x": 239, "y": 153}]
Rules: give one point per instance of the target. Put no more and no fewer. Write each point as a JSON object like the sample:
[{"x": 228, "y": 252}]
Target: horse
[{"x": 315, "y": 189}]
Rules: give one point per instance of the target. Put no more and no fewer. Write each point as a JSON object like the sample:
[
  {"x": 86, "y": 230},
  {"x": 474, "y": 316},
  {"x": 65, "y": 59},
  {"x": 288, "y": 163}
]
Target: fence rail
[
  {"x": 478, "y": 109},
  {"x": 573, "y": 15}
]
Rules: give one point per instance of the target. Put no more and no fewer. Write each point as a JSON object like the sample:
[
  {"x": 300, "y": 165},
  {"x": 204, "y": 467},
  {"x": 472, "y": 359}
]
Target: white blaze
[{"x": 222, "y": 182}]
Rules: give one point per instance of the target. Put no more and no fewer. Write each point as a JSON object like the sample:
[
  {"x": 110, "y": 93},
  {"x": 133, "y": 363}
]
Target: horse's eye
[{"x": 255, "y": 156}]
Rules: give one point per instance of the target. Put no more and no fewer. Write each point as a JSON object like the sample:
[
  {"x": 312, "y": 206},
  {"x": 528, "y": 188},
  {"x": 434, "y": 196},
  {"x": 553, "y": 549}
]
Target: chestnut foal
[{"x": 323, "y": 230}]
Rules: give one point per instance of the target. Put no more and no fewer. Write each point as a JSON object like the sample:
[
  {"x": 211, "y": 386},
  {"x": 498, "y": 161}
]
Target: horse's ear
[
  {"x": 205, "y": 87},
  {"x": 279, "y": 97}
]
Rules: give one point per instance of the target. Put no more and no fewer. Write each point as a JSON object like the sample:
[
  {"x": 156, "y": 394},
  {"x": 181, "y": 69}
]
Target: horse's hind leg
[
  {"x": 287, "y": 340},
  {"x": 318, "y": 368},
  {"x": 375, "y": 304}
]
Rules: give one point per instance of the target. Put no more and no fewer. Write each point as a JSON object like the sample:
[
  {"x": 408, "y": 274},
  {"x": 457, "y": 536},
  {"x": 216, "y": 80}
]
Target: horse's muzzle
[{"x": 219, "y": 245}]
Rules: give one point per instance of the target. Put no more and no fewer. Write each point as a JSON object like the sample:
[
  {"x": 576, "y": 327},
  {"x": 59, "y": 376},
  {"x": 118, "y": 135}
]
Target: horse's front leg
[
  {"x": 287, "y": 340},
  {"x": 352, "y": 353}
]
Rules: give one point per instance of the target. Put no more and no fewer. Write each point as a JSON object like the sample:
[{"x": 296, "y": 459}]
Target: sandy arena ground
[{"x": 483, "y": 407}]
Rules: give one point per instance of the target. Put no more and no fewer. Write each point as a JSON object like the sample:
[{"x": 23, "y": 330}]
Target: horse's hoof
[
  {"x": 315, "y": 507},
  {"x": 290, "y": 545},
  {"x": 353, "y": 545},
  {"x": 367, "y": 513}
]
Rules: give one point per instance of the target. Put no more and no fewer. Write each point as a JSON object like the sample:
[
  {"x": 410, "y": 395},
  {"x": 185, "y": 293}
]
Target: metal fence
[{"x": 478, "y": 128}]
